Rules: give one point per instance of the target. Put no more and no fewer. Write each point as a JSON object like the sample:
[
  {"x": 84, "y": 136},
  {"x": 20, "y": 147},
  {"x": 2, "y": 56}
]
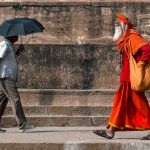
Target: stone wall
[
  {"x": 69, "y": 66},
  {"x": 75, "y": 51}
]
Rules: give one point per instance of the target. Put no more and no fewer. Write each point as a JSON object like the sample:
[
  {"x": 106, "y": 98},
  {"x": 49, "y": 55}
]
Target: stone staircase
[
  {"x": 46, "y": 107},
  {"x": 66, "y": 120}
]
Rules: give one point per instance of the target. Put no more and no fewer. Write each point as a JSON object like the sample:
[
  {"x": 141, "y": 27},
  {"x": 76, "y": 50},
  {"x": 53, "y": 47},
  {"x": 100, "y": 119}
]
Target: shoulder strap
[{"x": 130, "y": 50}]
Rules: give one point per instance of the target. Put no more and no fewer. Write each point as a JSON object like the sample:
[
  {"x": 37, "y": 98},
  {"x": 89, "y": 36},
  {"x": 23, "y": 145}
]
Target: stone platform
[{"x": 71, "y": 138}]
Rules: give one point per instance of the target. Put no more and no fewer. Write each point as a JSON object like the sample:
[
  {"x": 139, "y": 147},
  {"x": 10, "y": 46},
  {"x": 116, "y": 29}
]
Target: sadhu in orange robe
[{"x": 131, "y": 110}]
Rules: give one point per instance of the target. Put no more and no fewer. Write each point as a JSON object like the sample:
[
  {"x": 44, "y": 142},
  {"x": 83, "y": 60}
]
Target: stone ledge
[
  {"x": 70, "y": 91},
  {"x": 73, "y": 2}
]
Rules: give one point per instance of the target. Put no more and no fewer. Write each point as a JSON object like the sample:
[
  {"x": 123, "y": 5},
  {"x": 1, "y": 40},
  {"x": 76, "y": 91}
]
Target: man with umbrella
[{"x": 9, "y": 67}]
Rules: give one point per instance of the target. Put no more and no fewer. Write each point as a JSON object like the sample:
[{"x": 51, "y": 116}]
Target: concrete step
[
  {"x": 68, "y": 97},
  {"x": 58, "y": 120},
  {"x": 71, "y": 138},
  {"x": 63, "y": 110}
]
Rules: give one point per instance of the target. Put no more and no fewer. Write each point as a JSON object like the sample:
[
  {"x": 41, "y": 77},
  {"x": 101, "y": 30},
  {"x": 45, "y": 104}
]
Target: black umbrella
[{"x": 20, "y": 26}]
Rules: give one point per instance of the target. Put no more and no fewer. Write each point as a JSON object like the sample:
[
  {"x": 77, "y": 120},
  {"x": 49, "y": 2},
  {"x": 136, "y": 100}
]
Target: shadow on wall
[
  {"x": 87, "y": 66},
  {"x": 46, "y": 100}
]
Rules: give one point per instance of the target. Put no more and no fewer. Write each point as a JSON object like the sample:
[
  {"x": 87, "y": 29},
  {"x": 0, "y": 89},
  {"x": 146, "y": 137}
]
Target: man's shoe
[
  {"x": 25, "y": 126},
  {"x": 103, "y": 133},
  {"x": 2, "y": 130}
]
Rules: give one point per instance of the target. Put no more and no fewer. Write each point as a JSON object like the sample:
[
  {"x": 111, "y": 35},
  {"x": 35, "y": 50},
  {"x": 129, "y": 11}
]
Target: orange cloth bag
[
  {"x": 139, "y": 75},
  {"x": 130, "y": 42}
]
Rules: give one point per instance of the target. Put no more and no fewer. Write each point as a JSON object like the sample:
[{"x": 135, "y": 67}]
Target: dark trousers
[{"x": 8, "y": 91}]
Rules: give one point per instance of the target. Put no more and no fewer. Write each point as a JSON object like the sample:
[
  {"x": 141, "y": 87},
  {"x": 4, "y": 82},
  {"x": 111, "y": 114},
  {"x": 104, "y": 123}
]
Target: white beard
[{"x": 118, "y": 33}]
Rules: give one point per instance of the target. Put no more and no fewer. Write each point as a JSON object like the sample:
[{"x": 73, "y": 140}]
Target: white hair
[{"x": 119, "y": 30}]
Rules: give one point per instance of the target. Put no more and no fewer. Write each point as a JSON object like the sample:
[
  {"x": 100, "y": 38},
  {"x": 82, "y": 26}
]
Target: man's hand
[
  {"x": 141, "y": 64},
  {"x": 20, "y": 49}
]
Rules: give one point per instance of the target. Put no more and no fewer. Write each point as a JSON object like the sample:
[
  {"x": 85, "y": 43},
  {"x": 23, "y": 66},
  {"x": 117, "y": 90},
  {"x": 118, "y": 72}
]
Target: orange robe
[{"x": 131, "y": 110}]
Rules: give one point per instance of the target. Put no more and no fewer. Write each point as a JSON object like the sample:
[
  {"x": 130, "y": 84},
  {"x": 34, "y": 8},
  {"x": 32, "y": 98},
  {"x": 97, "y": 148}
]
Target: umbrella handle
[
  {"x": 29, "y": 39},
  {"x": 21, "y": 40}
]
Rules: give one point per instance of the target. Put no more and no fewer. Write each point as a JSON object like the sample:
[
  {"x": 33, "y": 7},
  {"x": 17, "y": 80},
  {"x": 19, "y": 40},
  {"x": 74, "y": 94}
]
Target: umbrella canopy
[{"x": 20, "y": 26}]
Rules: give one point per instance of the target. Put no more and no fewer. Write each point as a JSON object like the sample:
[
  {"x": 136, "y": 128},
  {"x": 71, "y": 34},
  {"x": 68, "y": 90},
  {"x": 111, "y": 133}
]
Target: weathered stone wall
[
  {"x": 69, "y": 66},
  {"x": 75, "y": 51}
]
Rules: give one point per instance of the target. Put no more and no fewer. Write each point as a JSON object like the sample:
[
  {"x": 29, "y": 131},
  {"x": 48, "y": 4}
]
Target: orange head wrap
[{"x": 124, "y": 19}]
